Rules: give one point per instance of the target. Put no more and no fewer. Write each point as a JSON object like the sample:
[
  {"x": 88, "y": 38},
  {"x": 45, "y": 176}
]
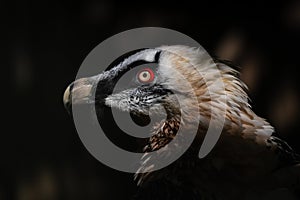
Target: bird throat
[{"x": 164, "y": 134}]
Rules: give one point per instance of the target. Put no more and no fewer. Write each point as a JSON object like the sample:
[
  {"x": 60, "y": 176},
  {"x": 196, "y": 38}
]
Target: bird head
[{"x": 182, "y": 80}]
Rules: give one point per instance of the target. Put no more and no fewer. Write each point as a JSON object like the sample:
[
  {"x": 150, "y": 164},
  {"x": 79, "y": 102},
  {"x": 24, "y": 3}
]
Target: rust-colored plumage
[{"x": 247, "y": 162}]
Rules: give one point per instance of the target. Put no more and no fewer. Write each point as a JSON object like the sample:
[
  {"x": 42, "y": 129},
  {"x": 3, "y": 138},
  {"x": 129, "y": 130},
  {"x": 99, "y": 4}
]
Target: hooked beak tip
[
  {"x": 67, "y": 98},
  {"x": 79, "y": 92}
]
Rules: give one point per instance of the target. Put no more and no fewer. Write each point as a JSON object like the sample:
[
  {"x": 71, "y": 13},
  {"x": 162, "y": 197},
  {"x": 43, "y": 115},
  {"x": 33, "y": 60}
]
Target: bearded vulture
[{"x": 247, "y": 162}]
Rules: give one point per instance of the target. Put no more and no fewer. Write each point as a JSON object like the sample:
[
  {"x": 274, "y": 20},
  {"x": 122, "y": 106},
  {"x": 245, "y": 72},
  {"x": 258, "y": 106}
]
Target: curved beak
[{"x": 79, "y": 92}]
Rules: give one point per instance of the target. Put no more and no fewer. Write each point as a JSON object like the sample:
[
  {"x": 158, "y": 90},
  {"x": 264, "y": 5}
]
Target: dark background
[{"x": 43, "y": 44}]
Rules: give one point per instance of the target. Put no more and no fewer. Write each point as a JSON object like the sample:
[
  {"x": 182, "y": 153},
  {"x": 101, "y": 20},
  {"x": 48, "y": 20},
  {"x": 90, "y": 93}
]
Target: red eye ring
[{"x": 145, "y": 75}]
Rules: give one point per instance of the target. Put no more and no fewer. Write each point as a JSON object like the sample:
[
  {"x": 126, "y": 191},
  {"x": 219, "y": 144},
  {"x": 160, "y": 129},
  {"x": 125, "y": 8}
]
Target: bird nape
[{"x": 247, "y": 162}]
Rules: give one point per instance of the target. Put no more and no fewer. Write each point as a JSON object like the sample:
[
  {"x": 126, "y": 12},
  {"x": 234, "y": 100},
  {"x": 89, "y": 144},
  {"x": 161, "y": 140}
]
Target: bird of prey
[{"x": 247, "y": 162}]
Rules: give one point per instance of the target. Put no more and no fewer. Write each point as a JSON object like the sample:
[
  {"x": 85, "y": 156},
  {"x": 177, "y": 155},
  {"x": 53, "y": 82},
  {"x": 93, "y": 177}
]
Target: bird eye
[{"x": 145, "y": 76}]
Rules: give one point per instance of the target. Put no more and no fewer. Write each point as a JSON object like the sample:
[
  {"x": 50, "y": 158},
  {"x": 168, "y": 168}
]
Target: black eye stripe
[
  {"x": 134, "y": 63},
  {"x": 122, "y": 58},
  {"x": 123, "y": 64},
  {"x": 157, "y": 56}
]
